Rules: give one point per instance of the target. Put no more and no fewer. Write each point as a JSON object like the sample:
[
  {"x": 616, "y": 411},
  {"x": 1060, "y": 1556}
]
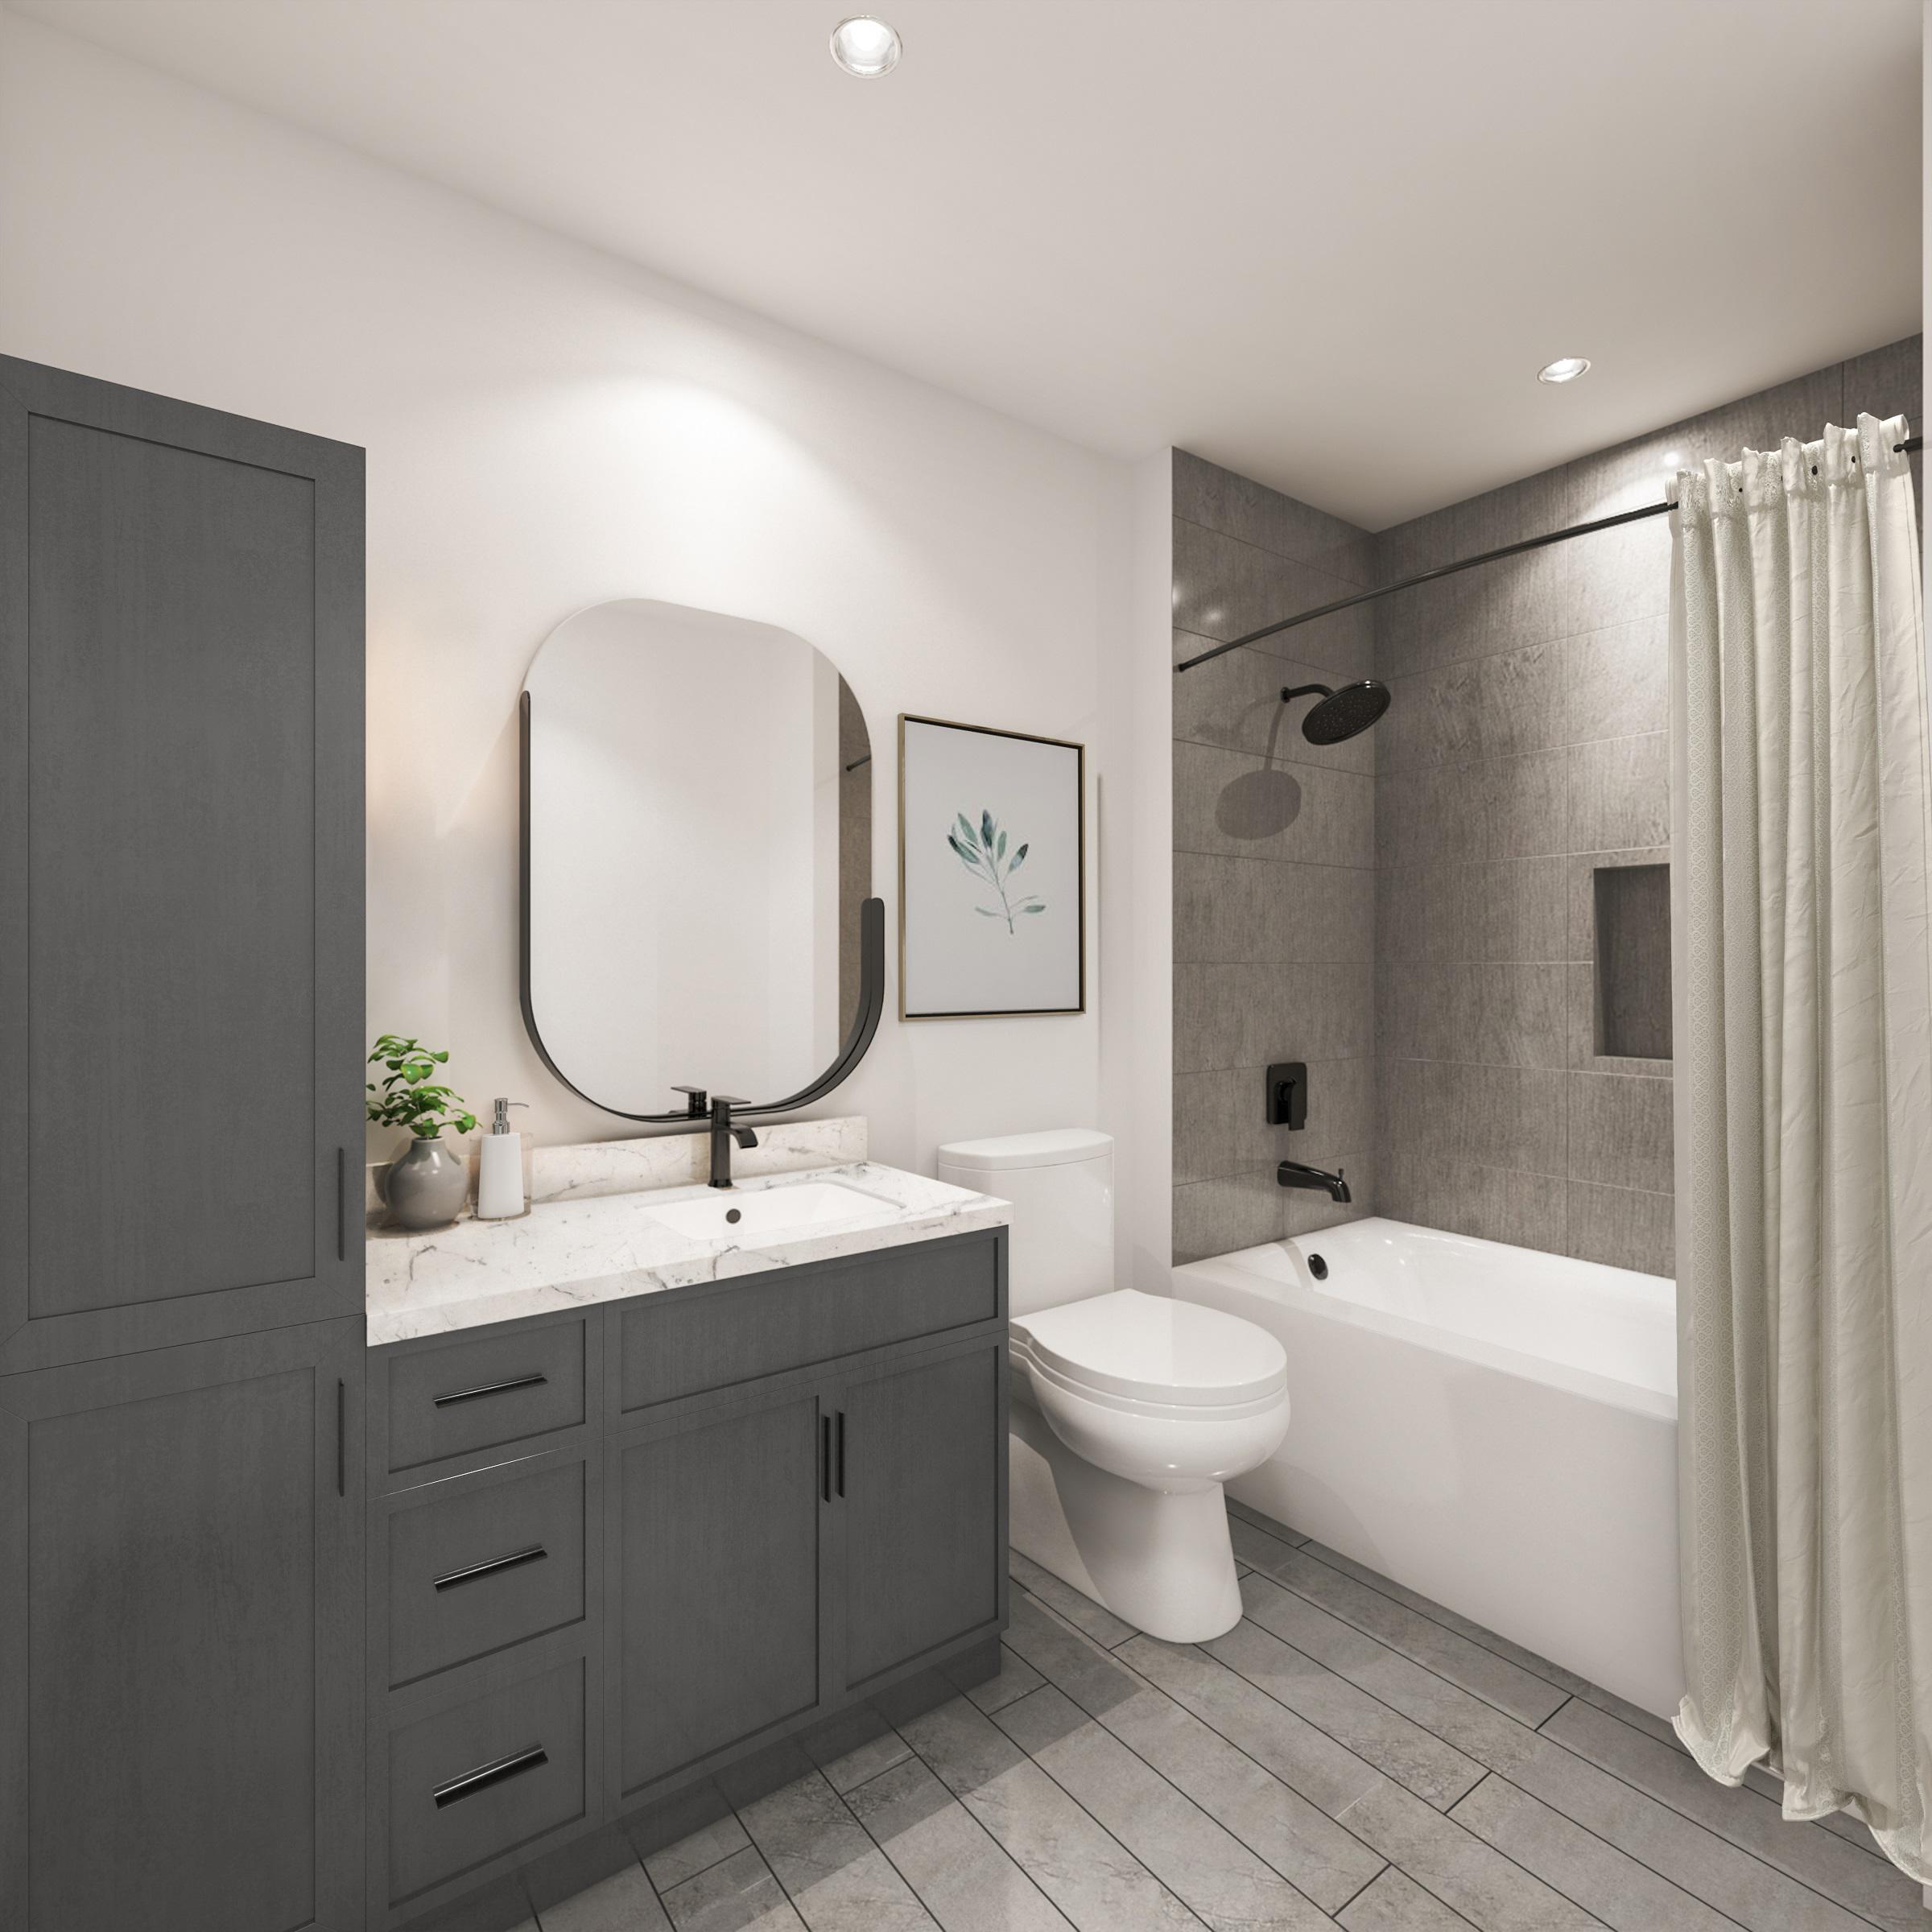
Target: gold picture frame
[{"x": 932, "y": 967}]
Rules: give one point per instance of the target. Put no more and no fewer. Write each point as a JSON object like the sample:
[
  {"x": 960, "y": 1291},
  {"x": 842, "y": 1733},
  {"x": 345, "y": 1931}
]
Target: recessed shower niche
[{"x": 1632, "y": 905}]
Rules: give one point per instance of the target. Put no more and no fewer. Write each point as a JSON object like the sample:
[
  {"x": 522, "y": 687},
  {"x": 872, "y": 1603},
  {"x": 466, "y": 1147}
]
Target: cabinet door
[
  {"x": 181, "y": 1639},
  {"x": 717, "y": 1523},
  {"x": 181, "y": 956},
  {"x": 919, "y": 1471}
]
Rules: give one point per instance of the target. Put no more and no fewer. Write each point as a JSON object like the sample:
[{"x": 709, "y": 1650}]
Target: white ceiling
[{"x": 1326, "y": 242}]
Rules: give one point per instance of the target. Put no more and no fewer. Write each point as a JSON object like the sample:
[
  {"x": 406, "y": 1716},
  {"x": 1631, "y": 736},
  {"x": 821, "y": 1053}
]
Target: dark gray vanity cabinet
[
  {"x": 181, "y": 731},
  {"x": 920, "y": 1474},
  {"x": 718, "y": 1520},
  {"x": 181, "y": 1638},
  {"x": 808, "y": 1495},
  {"x": 181, "y": 1281},
  {"x": 615, "y": 1549}
]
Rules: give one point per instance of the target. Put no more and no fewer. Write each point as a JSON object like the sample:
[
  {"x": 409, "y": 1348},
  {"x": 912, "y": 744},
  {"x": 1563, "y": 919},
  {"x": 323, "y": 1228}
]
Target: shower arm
[{"x": 1449, "y": 569}]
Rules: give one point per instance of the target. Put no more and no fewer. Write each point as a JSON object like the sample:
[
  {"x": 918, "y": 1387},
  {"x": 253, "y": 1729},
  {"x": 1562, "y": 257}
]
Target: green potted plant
[{"x": 424, "y": 1186}]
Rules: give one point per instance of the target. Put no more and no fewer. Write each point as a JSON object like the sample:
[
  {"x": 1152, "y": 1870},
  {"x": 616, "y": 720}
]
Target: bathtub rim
[{"x": 1232, "y": 1271}]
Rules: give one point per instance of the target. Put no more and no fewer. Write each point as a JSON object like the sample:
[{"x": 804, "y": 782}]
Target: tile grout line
[
  {"x": 1643, "y": 1864},
  {"x": 1743, "y": 1850},
  {"x": 1486, "y": 656},
  {"x": 1309, "y": 1545},
  {"x": 1268, "y": 549},
  {"x": 999, "y": 1850},
  {"x": 1498, "y": 1066},
  {"x": 859, "y": 1825},
  {"x": 1146, "y": 1683},
  {"x": 1536, "y": 1878},
  {"x": 1263, "y": 858},
  {"x": 1762, "y": 1798},
  {"x": 1440, "y": 1810},
  {"x": 750, "y": 1845},
  {"x": 1397, "y": 1649},
  {"x": 1045, "y": 1684},
  {"x": 1388, "y": 1865},
  {"x": 1468, "y": 761}
]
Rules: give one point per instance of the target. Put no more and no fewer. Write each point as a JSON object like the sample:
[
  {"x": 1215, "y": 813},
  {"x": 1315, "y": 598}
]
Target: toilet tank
[{"x": 1060, "y": 1243}]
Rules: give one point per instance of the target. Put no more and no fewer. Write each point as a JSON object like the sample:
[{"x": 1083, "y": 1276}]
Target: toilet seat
[{"x": 1149, "y": 1354}]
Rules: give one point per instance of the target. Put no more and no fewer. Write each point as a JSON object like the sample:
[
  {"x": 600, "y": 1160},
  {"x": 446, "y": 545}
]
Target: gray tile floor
[{"x": 1350, "y": 1755}]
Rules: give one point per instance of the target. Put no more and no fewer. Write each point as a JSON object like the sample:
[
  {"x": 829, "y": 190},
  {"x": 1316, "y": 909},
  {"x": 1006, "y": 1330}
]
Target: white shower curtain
[{"x": 1802, "y": 1006}]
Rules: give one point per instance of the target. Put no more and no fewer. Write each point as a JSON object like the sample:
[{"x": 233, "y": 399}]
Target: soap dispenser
[{"x": 500, "y": 1169}]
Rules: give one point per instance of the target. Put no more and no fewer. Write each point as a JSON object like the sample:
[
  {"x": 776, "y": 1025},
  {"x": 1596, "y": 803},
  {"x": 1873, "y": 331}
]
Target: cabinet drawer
[
  {"x": 480, "y": 1780},
  {"x": 502, "y": 1385},
  {"x": 681, "y": 1343},
  {"x": 471, "y": 1571}
]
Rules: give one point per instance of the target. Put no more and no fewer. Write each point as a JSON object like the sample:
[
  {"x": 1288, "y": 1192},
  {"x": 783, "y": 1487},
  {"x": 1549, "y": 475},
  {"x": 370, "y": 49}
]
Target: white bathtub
[{"x": 1491, "y": 1426}]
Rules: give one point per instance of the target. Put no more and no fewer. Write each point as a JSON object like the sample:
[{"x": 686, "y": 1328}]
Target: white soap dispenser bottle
[{"x": 500, "y": 1169}]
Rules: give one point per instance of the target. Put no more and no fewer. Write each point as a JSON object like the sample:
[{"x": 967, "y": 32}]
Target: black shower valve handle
[{"x": 1287, "y": 1095}]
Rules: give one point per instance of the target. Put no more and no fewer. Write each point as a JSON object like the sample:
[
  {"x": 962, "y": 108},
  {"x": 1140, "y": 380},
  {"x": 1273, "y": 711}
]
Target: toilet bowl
[{"x": 1129, "y": 1411}]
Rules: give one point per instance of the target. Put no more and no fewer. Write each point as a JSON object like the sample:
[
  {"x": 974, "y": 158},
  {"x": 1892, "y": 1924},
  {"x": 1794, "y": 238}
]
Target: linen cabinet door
[
  {"x": 716, "y": 1522},
  {"x": 181, "y": 905},
  {"x": 180, "y": 1639},
  {"x": 919, "y": 1479}
]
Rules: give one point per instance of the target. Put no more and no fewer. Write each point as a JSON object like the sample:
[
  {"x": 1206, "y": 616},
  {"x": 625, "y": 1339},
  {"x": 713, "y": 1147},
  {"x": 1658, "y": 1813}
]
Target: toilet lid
[{"x": 1156, "y": 1349}]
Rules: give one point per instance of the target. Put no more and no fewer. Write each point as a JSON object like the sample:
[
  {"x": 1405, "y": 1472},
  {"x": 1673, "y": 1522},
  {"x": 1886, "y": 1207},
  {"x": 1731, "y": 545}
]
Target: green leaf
[
  {"x": 1033, "y": 908},
  {"x": 1000, "y": 851},
  {"x": 970, "y": 837},
  {"x": 985, "y": 825},
  {"x": 984, "y": 914},
  {"x": 1019, "y": 859}
]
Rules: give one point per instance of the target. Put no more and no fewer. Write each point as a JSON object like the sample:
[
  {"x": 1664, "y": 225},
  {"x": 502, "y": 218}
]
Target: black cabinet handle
[
  {"x": 341, "y": 1203},
  {"x": 535, "y": 1554},
  {"x": 469, "y": 1395},
  {"x": 825, "y": 1457},
  {"x": 341, "y": 1439},
  {"x": 841, "y": 1452},
  {"x": 481, "y": 1779}
]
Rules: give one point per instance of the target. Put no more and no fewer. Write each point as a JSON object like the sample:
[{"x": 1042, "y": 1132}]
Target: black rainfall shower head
[{"x": 1342, "y": 714}]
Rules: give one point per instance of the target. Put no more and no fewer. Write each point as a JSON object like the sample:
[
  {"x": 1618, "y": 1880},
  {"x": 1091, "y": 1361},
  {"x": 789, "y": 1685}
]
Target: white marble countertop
[{"x": 565, "y": 1253}]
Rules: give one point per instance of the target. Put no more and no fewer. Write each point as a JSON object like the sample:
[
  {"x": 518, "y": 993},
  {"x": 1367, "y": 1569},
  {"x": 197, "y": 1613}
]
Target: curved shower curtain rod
[{"x": 1449, "y": 569}]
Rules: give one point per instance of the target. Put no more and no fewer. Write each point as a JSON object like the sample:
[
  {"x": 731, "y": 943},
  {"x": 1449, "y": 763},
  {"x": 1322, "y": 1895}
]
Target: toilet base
[{"x": 1161, "y": 1561}]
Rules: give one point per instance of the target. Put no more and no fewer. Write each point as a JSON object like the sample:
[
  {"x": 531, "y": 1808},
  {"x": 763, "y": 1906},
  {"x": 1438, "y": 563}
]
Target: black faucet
[
  {"x": 1292, "y": 1174},
  {"x": 723, "y": 1134}
]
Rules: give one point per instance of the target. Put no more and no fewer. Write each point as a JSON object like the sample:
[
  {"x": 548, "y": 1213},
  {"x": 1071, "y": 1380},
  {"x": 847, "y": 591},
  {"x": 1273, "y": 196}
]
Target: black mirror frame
[{"x": 865, "y": 1022}]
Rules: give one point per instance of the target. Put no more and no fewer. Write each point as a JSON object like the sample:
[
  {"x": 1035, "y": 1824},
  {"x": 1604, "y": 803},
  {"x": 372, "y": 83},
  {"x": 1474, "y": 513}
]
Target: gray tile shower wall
[
  {"x": 1273, "y": 866},
  {"x": 1525, "y": 749}
]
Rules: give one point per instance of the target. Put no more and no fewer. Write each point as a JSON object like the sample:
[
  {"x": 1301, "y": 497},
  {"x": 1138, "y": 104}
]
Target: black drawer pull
[
  {"x": 469, "y": 1395},
  {"x": 481, "y": 1779},
  {"x": 535, "y": 1554}
]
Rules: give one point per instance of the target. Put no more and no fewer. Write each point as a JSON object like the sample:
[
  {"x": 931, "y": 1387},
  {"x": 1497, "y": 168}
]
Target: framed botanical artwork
[{"x": 993, "y": 871}]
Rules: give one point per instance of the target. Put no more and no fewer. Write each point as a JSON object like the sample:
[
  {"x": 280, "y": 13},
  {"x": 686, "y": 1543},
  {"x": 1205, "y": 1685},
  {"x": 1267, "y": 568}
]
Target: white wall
[{"x": 546, "y": 428}]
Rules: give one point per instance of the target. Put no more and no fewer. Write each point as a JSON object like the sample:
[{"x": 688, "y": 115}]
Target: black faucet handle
[
  {"x": 730, "y": 1100},
  {"x": 698, "y": 1102}
]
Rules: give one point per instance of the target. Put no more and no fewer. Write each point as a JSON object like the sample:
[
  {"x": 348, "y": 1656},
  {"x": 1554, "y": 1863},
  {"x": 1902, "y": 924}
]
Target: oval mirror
[{"x": 697, "y": 863}]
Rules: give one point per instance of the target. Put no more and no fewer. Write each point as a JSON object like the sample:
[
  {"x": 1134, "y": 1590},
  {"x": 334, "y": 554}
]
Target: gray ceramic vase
[{"x": 426, "y": 1186}]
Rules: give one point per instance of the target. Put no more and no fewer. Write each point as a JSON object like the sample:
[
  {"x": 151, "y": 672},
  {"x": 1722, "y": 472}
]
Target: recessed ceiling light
[
  {"x": 865, "y": 47},
  {"x": 1565, "y": 369}
]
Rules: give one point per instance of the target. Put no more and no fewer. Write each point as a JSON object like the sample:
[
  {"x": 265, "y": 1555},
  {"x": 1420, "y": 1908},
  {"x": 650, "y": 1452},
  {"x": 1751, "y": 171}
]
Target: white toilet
[{"x": 1129, "y": 1411}]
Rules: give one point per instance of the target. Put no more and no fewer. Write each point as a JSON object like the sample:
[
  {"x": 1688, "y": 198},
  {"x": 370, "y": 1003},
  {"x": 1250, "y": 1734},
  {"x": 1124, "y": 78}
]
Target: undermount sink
[{"x": 733, "y": 1213}]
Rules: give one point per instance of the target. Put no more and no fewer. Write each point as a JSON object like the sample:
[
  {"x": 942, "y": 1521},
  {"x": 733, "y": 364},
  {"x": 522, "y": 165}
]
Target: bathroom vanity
[{"x": 643, "y": 1501}]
